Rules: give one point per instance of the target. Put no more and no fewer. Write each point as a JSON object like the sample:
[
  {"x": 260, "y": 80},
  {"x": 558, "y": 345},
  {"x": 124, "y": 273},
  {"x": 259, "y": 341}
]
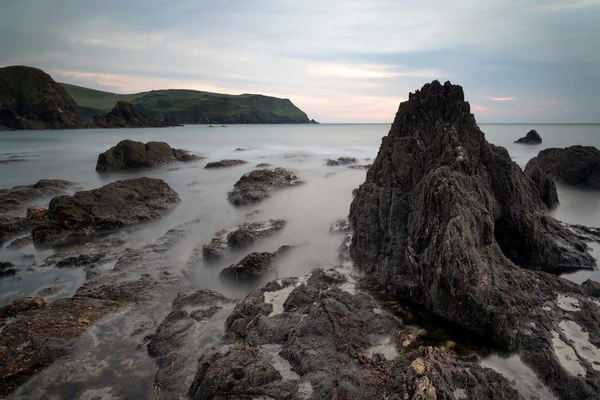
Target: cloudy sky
[{"x": 340, "y": 61}]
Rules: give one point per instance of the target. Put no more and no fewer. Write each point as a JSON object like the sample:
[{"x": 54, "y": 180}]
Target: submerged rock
[
  {"x": 254, "y": 265},
  {"x": 125, "y": 115},
  {"x": 360, "y": 166},
  {"x": 448, "y": 221},
  {"x": 263, "y": 165},
  {"x": 240, "y": 237},
  {"x": 129, "y": 154},
  {"x": 543, "y": 182},
  {"x": 259, "y": 184},
  {"x": 6, "y": 269},
  {"x": 575, "y": 165},
  {"x": 532, "y": 137},
  {"x": 225, "y": 164},
  {"x": 20, "y": 243},
  {"x": 341, "y": 161},
  {"x": 115, "y": 205},
  {"x": 309, "y": 338}
]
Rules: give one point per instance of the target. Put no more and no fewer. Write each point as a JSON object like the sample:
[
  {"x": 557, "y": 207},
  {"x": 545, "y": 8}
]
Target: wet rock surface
[
  {"x": 341, "y": 226},
  {"x": 341, "y": 161},
  {"x": 260, "y": 184},
  {"x": 307, "y": 338},
  {"x": 20, "y": 243},
  {"x": 448, "y": 221},
  {"x": 532, "y": 137},
  {"x": 575, "y": 165},
  {"x": 129, "y": 154},
  {"x": 543, "y": 182},
  {"x": 254, "y": 265},
  {"x": 225, "y": 164},
  {"x": 115, "y": 205},
  {"x": 239, "y": 237}
]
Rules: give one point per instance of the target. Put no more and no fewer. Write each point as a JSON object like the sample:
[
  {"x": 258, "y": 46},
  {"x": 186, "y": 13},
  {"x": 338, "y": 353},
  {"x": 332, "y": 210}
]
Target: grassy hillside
[{"x": 191, "y": 106}]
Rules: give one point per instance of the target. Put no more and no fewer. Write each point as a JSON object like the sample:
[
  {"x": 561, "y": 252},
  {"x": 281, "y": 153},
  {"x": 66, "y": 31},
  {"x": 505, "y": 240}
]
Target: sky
[{"x": 339, "y": 61}]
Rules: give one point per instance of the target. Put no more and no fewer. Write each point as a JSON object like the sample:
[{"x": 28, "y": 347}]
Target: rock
[
  {"x": 31, "y": 100},
  {"x": 36, "y": 213},
  {"x": 341, "y": 225},
  {"x": 354, "y": 192},
  {"x": 113, "y": 206},
  {"x": 74, "y": 261},
  {"x": 341, "y": 161},
  {"x": 263, "y": 165},
  {"x": 20, "y": 243},
  {"x": 585, "y": 233},
  {"x": 449, "y": 222},
  {"x": 543, "y": 182},
  {"x": 575, "y": 165},
  {"x": 259, "y": 184},
  {"x": 308, "y": 338},
  {"x": 592, "y": 288},
  {"x": 240, "y": 237},
  {"x": 6, "y": 269},
  {"x": 240, "y": 149},
  {"x": 532, "y": 137},
  {"x": 254, "y": 213},
  {"x": 254, "y": 265},
  {"x": 225, "y": 163},
  {"x": 20, "y": 306},
  {"x": 128, "y": 154},
  {"x": 125, "y": 115},
  {"x": 359, "y": 166}
]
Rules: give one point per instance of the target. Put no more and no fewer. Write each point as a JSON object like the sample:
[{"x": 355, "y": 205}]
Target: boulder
[
  {"x": 125, "y": 115},
  {"x": 575, "y": 165},
  {"x": 341, "y": 161},
  {"x": 543, "y": 182},
  {"x": 259, "y": 184},
  {"x": 129, "y": 154},
  {"x": 6, "y": 269},
  {"x": 449, "y": 222},
  {"x": 532, "y": 137},
  {"x": 113, "y": 206},
  {"x": 263, "y": 165},
  {"x": 36, "y": 213},
  {"x": 225, "y": 163},
  {"x": 254, "y": 265}
]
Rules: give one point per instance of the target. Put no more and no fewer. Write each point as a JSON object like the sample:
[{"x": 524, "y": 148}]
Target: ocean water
[{"x": 308, "y": 209}]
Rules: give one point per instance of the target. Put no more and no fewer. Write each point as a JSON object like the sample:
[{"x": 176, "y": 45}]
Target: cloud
[{"x": 502, "y": 98}]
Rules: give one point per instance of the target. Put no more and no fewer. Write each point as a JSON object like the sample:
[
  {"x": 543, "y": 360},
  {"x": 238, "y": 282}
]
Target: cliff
[
  {"x": 125, "y": 115},
  {"x": 31, "y": 99}
]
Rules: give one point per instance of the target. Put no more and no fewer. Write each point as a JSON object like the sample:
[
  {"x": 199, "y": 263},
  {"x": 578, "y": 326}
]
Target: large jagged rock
[
  {"x": 31, "y": 99},
  {"x": 448, "y": 221},
  {"x": 125, "y": 115},
  {"x": 129, "y": 154},
  {"x": 254, "y": 265},
  {"x": 575, "y": 165},
  {"x": 115, "y": 205},
  {"x": 543, "y": 182},
  {"x": 532, "y": 137},
  {"x": 259, "y": 184}
]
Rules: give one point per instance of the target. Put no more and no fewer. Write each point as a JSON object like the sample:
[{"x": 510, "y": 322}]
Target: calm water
[{"x": 308, "y": 209}]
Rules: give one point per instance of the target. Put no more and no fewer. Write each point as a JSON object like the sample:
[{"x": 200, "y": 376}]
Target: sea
[{"x": 309, "y": 209}]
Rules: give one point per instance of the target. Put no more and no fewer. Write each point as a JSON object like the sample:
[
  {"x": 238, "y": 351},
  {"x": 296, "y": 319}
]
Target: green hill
[{"x": 191, "y": 106}]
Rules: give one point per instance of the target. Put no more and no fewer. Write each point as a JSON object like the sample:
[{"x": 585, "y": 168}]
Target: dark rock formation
[
  {"x": 543, "y": 182},
  {"x": 240, "y": 237},
  {"x": 254, "y": 265},
  {"x": 115, "y": 205},
  {"x": 263, "y": 165},
  {"x": 31, "y": 99},
  {"x": 20, "y": 243},
  {"x": 225, "y": 163},
  {"x": 6, "y": 269},
  {"x": 341, "y": 225},
  {"x": 129, "y": 155},
  {"x": 125, "y": 115},
  {"x": 575, "y": 165},
  {"x": 13, "y": 203},
  {"x": 532, "y": 137},
  {"x": 448, "y": 221},
  {"x": 310, "y": 339},
  {"x": 259, "y": 184},
  {"x": 360, "y": 166},
  {"x": 342, "y": 161}
]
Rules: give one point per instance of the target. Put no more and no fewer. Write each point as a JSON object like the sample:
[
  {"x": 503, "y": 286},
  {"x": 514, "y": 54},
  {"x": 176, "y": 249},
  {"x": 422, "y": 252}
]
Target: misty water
[{"x": 309, "y": 210}]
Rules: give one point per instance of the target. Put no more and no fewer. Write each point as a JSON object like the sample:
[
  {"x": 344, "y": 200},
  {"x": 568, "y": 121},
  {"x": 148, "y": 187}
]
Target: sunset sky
[{"x": 339, "y": 61}]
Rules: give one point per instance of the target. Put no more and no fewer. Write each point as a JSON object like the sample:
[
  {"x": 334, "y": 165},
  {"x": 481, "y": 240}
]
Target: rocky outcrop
[
  {"x": 125, "y": 115},
  {"x": 532, "y": 137},
  {"x": 543, "y": 182},
  {"x": 448, "y": 221},
  {"x": 113, "y": 206},
  {"x": 309, "y": 338},
  {"x": 129, "y": 154},
  {"x": 259, "y": 184},
  {"x": 13, "y": 203},
  {"x": 254, "y": 265},
  {"x": 575, "y": 165},
  {"x": 225, "y": 163},
  {"x": 31, "y": 100},
  {"x": 341, "y": 161},
  {"x": 239, "y": 237}
]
